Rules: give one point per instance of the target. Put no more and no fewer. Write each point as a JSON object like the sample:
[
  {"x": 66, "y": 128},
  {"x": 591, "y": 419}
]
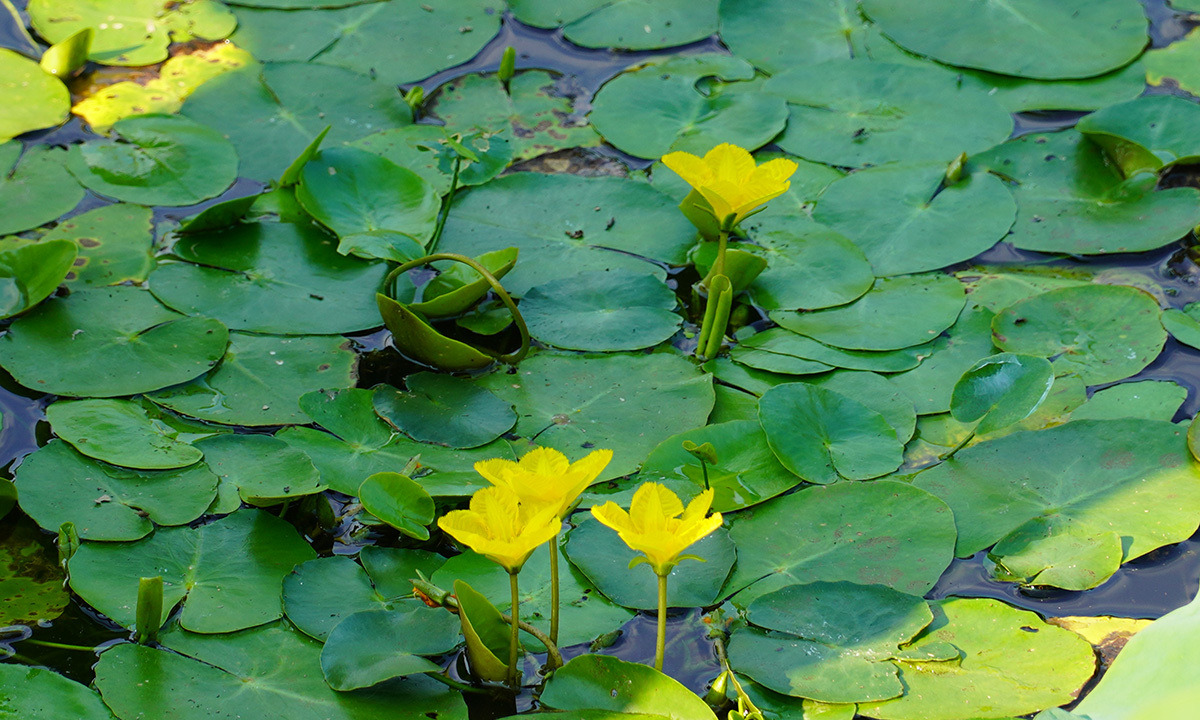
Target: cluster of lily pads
[{"x": 912, "y": 372}]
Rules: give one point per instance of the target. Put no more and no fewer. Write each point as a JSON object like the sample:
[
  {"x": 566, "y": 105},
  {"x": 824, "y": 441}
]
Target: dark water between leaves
[{"x": 1144, "y": 588}]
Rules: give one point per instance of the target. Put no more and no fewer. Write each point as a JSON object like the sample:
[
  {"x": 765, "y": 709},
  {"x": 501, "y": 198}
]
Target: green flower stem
[
  {"x": 511, "y": 358},
  {"x": 60, "y": 646},
  {"x": 716, "y": 317},
  {"x": 660, "y": 646},
  {"x": 722, "y": 244},
  {"x": 445, "y": 213},
  {"x": 460, "y": 686},
  {"x": 553, "y": 590},
  {"x": 513, "y": 641}
]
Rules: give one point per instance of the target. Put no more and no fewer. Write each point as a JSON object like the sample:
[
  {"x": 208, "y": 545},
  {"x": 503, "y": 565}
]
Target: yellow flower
[
  {"x": 728, "y": 179},
  {"x": 653, "y": 526},
  {"x": 500, "y": 528},
  {"x": 544, "y": 476}
]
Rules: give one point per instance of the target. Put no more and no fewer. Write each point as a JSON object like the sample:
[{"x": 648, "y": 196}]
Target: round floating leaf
[
  {"x": 35, "y": 190},
  {"x": 1024, "y": 95},
  {"x": 265, "y": 471},
  {"x": 261, "y": 378},
  {"x": 602, "y": 311},
  {"x": 1011, "y": 663},
  {"x": 878, "y": 533},
  {"x": 931, "y": 384},
  {"x": 227, "y": 574},
  {"x": 40, "y": 694},
  {"x": 372, "y": 646},
  {"x": 352, "y": 191},
  {"x": 601, "y": 682},
  {"x": 784, "y": 342},
  {"x": 746, "y": 471},
  {"x": 570, "y": 402},
  {"x": 1178, "y": 62},
  {"x": 1000, "y": 390},
  {"x": 163, "y": 160},
  {"x": 447, "y": 410},
  {"x": 1183, "y": 324},
  {"x": 584, "y": 614},
  {"x": 1068, "y": 39},
  {"x": 275, "y": 278},
  {"x": 133, "y": 32},
  {"x": 1147, "y": 133},
  {"x": 625, "y": 25},
  {"x": 905, "y": 221},
  {"x": 114, "y": 244},
  {"x": 875, "y": 392},
  {"x": 553, "y": 221},
  {"x": 423, "y": 149},
  {"x": 1132, "y": 477},
  {"x": 1057, "y": 552},
  {"x": 779, "y": 34},
  {"x": 809, "y": 267},
  {"x": 29, "y": 273},
  {"x": 1071, "y": 199},
  {"x": 1100, "y": 332},
  {"x": 657, "y": 108},
  {"x": 1149, "y": 399},
  {"x": 602, "y": 556},
  {"x": 858, "y": 113},
  {"x": 120, "y": 432},
  {"x": 532, "y": 114},
  {"x": 33, "y": 98},
  {"x": 109, "y": 342},
  {"x": 283, "y": 106},
  {"x": 30, "y": 579},
  {"x": 265, "y": 672},
  {"x": 896, "y": 313},
  {"x": 822, "y": 435},
  {"x": 399, "y": 502}
]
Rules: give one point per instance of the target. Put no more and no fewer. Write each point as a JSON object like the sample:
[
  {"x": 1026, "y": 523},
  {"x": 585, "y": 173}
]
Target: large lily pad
[
  {"x": 808, "y": 266},
  {"x": 282, "y": 107},
  {"x": 602, "y": 311},
  {"x": 856, "y": 113},
  {"x": 372, "y": 646},
  {"x": 227, "y": 574},
  {"x": 606, "y": 683},
  {"x": 33, "y": 98},
  {"x": 553, "y": 221},
  {"x": 41, "y": 694},
  {"x": 659, "y": 107},
  {"x": 931, "y": 384},
  {"x": 119, "y": 432},
  {"x": 264, "y": 470},
  {"x": 1150, "y": 399},
  {"x": 779, "y": 341},
  {"x": 1176, "y": 63},
  {"x": 1011, "y": 663},
  {"x": 275, "y": 278},
  {"x": 905, "y": 221},
  {"x": 779, "y": 34},
  {"x": 1100, "y": 332},
  {"x": 1071, "y": 199},
  {"x": 1001, "y": 390},
  {"x": 626, "y": 24},
  {"x": 877, "y": 533},
  {"x": 268, "y": 672},
  {"x": 114, "y": 245},
  {"x": 1132, "y": 477},
  {"x": 1147, "y": 133},
  {"x": 35, "y": 187},
  {"x": 162, "y": 160},
  {"x": 896, "y": 313},
  {"x": 30, "y": 273},
  {"x": 572, "y": 402},
  {"x": 109, "y": 342},
  {"x": 446, "y": 410},
  {"x": 1066, "y": 39},
  {"x": 261, "y": 378}
]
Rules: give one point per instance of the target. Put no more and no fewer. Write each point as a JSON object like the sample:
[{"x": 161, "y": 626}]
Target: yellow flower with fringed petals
[
  {"x": 544, "y": 476},
  {"x": 729, "y": 180},
  {"x": 653, "y": 525},
  {"x": 500, "y": 528}
]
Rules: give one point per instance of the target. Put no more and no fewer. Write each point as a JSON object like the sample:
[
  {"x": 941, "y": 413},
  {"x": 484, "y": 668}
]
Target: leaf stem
[
  {"x": 445, "y": 210},
  {"x": 460, "y": 686},
  {"x": 60, "y": 646},
  {"x": 959, "y": 446},
  {"x": 660, "y": 645}
]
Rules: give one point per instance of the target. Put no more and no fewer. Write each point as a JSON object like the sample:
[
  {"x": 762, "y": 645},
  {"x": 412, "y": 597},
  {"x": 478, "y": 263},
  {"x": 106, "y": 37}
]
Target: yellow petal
[
  {"x": 777, "y": 170},
  {"x": 613, "y": 516},
  {"x": 721, "y": 206},
  {"x": 693, "y": 170},
  {"x": 652, "y": 505},
  {"x": 729, "y": 163},
  {"x": 497, "y": 471},
  {"x": 545, "y": 461},
  {"x": 698, "y": 507},
  {"x": 689, "y": 535}
]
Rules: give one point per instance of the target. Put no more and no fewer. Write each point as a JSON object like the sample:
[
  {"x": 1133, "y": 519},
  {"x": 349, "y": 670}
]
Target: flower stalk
[
  {"x": 660, "y": 644},
  {"x": 514, "y": 641}
]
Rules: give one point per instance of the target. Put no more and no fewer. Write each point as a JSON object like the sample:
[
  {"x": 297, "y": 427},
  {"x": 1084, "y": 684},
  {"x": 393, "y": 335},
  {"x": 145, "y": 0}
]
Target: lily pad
[
  {"x": 1012, "y": 663},
  {"x": 109, "y": 342},
  {"x": 536, "y": 117},
  {"x": 227, "y": 574},
  {"x": 136, "y": 32},
  {"x": 41, "y": 694},
  {"x": 931, "y": 384},
  {"x": 35, "y": 187},
  {"x": 1177, "y": 62},
  {"x": 162, "y": 160},
  {"x": 30, "y": 273},
  {"x": 875, "y": 392},
  {"x": 446, "y": 410},
  {"x": 553, "y": 221},
  {"x": 1071, "y": 199},
  {"x": 570, "y": 402},
  {"x": 1147, "y": 133},
  {"x": 1057, "y": 552},
  {"x": 398, "y": 501},
  {"x": 822, "y": 435},
  {"x": 1001, "y": 390},
  {"x": 1100, "y": 332},
  {"x": 604, "y": 558},
  {"x": 779, "y": 34},
  {"x": 119, "y": 432},
  {"x": 33, "y": 98},
  {"x": 625, "y": 24},
  {"x": 416, "y": 339},
  {"x": 906, "y": 221},
  {"x": 372, "y": 646},
  {"x": 114, "y": 245},
  {"x": 877, "y": 533},
  {"x": 1132, "y": 477},
  {"x": 352, "y": 191},
  {"x": 784, "y": 342},
  {"x": 271, "y": 278},
  {"x": 896, "y": 313},
  {"x": 283, "y": 106},
  {"x": 602, "y": 311},
  {"x": 809, "y": 267},
  {"x": 417, "y": 147},
  {"x": 30, "y": 578},
  {"x": 271, "y": 671},
  {"x": 856, "y": 113},
  {"x": 657, "y": 108},
  {"x": 601, "y": 682},
  {"x": 1149, "y": 399},
  {"x": 1069, "y": 39},
  {"x": 261, "y": 378},
  {"x": 264, "y": 470}
]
